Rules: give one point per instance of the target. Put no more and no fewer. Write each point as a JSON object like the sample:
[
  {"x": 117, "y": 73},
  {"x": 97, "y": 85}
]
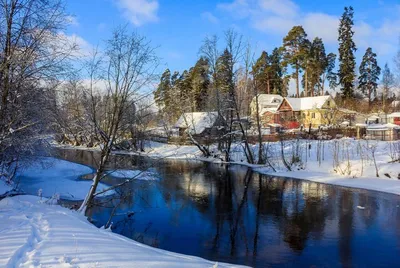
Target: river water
[{"x": 238, "y": 216}]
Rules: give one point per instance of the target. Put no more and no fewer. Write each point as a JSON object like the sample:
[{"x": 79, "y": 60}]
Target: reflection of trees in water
[
  {"x": 243, "y": 210},
  {"x": 345, "y": 227}
]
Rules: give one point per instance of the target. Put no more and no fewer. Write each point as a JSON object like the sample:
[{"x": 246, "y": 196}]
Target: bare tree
[
  {"x": 34, "y": 56},
  {"x": 130, "y": 63}
]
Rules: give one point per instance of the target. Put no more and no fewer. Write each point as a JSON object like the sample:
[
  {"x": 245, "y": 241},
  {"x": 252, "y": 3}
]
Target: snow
[
  {"x": 393, "y": 115},
  {"x": 36, "y": 234},
  {"x": 56, "y": 176},
  {"x": 197, "y": 122},
  {"x": 308, "y": 103},
  {"x": 361, "y": 174}
]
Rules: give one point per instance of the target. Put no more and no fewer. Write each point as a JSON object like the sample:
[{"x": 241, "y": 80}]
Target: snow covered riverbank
[
  {"x": 36, "y": 234},
  {"x": 343, "y": 162}
]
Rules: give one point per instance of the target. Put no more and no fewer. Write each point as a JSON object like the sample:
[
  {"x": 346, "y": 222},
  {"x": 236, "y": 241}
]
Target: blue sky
[{"x": 177, "y": 28}]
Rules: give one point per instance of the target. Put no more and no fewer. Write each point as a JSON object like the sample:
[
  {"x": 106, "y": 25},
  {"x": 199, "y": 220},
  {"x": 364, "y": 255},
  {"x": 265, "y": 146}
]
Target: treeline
[{"x": 204, "y": 86}]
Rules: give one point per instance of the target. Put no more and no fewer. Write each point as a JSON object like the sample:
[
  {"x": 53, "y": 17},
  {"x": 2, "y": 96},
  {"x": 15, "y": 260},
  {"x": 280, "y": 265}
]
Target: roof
[
  {"x": 392, "y": 115},
  {"x": 269, "y": 99},
  {"x": 307, "y": 103},
  {"x": 382, "y": 127},
  {"x": 197, "y": 122}
]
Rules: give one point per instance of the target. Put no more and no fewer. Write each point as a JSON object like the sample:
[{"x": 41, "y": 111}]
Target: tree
[
  {"x": 369, "y": 75},
  {"x": 162, "y": 95},
  {"x": 330, "y": 74},
  {"x": 347, "y": 48},
  {"x": 34, "y": 57},
  {"x": 200, "y": 81},
  {"x": 388, "y": 82},
  {"x": 261, "y": 74},
  {"x": 277, "y": 72},
  {"x": 294, "y": 52},
  {"x": 130, "y": 62}
]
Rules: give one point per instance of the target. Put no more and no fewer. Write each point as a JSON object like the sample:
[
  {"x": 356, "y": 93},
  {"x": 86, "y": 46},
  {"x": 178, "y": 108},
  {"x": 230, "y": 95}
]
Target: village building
[
  {"x": 383, "y": 132},
  {"x": 394, "y": 118},
  {"x": 199, "y": 124},
  {"x": 267, "y": 108},
  {"x": 307, "y": 112}
]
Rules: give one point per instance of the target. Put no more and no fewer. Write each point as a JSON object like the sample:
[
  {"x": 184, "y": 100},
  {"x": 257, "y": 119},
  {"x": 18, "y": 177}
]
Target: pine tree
[
  {"x": 294, "y": 53},
  {"x": 260, "y": 73},
  {"x": 200, "y": 83},
  {"x": 347, "y": 48},
  {"x": 388, "y": 82},
  {"x": 276, "y": 72},
  {"x": 369, "y": 75},
  {"x": 225, "y": 72},
  {"x": 330, "y": 74},
  {"x": 162, "y": 95}
]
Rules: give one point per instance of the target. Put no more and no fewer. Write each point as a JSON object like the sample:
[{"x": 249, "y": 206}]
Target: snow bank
[
  {"x": 35, "y": 234},
  {"x": 56, "y": 176}
]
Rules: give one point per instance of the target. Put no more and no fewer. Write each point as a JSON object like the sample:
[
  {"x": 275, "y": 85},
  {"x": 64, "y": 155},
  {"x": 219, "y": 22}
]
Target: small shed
[{"x": 383, "y": 132}]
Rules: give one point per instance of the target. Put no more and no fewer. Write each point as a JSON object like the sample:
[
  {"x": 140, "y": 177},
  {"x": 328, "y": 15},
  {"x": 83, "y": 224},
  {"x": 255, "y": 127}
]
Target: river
[{"x": 231, "y": 214}]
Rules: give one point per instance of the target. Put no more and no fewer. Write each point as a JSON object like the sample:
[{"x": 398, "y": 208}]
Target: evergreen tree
[
  {"x": 225, "y": 72},
  {"x": 294, "y": 52},
  {"x": 388, "y": 82},
  {"x": 330, "y": 74},
  {"x": 369, "y": 75},
  {"x": 260, "y": 72},
  {"x": 347, "y": 48},
  {"x": 276, "y": 72},
  {"x": 200, "y": 83},
  {"x": 162, "y": 95},
  {"x": 319, "y": 64}
]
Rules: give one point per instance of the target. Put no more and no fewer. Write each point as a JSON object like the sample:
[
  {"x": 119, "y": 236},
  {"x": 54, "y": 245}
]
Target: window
[
  {"x": 329, "y": 103},
  {"x": 313, "y": 115}
]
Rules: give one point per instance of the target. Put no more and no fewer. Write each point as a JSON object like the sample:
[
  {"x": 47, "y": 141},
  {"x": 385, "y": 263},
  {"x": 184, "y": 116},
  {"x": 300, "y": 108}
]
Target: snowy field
[{"x": 37, "y": 234}]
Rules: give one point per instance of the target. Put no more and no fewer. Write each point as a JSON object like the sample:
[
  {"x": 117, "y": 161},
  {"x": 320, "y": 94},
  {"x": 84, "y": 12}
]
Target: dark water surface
[{"x": 238, "y": 216}]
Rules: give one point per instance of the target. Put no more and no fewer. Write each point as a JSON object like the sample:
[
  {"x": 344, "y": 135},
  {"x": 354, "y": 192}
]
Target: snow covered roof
[
  {"x": 197, "y": 122},
  {"x": 274, "y": 125},
  {"x": 308, "y": 103},
  {"x": 373, "y": 117},
  {"x": 382, "y": 127},
  {"x": 269, "y": 99},
  {"x": 392, "y": 115}
]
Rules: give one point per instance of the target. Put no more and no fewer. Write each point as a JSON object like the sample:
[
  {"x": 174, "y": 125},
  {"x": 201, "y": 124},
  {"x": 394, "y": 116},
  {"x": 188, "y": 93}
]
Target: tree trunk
[{"x": 297, "y": 82}]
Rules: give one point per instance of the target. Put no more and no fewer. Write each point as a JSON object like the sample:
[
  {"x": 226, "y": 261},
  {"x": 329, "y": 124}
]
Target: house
[
  {"x": 267, "y": 103},
  {"x": 394, "y": 118},
  {"x": 199, "y": 123},
  {"x": 308, "y": 112}
]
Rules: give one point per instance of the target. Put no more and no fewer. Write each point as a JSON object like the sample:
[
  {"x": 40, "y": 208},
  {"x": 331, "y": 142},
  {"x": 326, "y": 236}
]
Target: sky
[{"x": 178, "y": 27}]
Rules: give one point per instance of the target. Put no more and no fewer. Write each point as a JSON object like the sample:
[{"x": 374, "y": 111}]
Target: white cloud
[
  {"x": 279, "y": 16},
  {"x": 208, "y": 16},
  {"x": 284, "y": 8},
  {"x": 139, "y": 12}
]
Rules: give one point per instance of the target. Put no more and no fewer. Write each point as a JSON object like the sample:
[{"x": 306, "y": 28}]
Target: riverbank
[
  {"x": 36, "y": 233},
  {"x": 344, "y": 162}
]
